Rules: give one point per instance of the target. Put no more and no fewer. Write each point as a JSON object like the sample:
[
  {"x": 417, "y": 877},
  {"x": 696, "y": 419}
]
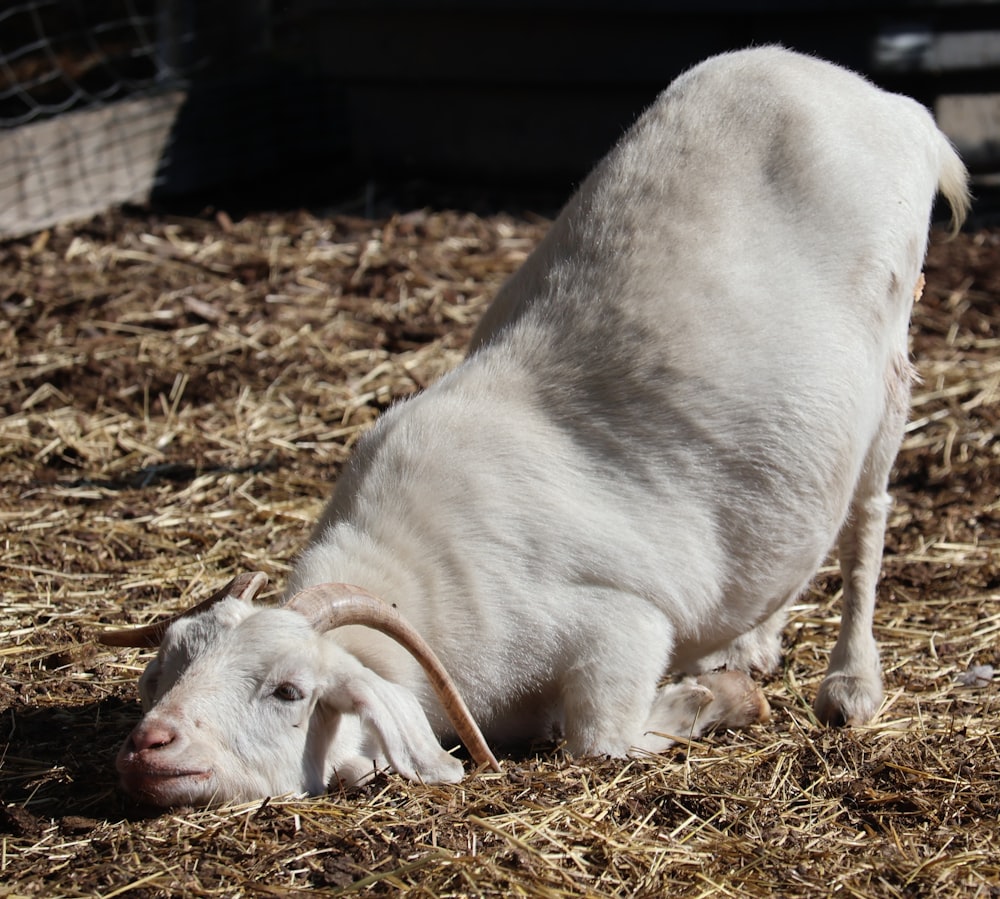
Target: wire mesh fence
[
  {"x": 58, "y": 56},
  {"x": 91, "y": 92},
  {"x": 73, "y": 136}
]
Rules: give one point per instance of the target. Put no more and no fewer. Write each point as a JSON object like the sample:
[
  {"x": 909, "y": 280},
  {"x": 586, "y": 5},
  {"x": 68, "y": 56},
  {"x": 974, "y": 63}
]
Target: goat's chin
[{"x": 165, "y": 788}]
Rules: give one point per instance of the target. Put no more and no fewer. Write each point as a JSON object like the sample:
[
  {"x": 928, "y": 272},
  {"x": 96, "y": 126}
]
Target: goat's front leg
[
  {"x": 611, "y": 676},
  {"x": 613, "y": 704},
  {"x": 695, "y": 705}
]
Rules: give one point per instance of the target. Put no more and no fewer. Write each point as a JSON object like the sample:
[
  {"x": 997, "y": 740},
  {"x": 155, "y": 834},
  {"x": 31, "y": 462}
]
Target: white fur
[{"x": 669, "y": 414}]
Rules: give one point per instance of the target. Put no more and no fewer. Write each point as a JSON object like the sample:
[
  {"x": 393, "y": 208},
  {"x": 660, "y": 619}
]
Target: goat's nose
[{"x": 151, "y": 736}]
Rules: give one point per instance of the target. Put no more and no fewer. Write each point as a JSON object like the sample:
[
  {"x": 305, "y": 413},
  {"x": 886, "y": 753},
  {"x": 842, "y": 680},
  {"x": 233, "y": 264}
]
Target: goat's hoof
[
  {"x": 845, "y": 700},
  {"x": 740, "y": 700}
]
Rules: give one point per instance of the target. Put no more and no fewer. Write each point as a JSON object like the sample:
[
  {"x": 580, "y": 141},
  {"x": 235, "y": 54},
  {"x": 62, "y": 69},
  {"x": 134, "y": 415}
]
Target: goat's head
[{"x": 245, "y": 701}]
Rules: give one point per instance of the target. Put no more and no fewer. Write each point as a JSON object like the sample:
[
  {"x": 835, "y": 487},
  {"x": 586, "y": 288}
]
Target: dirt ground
[{"x": 176, "y": 399}]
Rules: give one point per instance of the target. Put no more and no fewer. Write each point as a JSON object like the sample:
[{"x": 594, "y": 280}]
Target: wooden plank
[
  {"x": 81, "y": 163},
  {"x": 973, "y": 124}
]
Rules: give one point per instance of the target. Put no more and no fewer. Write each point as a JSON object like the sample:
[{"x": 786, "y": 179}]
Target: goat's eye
[{"x": 288, "y": 692}]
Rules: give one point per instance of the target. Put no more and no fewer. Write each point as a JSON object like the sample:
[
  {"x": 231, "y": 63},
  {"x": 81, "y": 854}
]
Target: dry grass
[{"x": 177, "y": 398}]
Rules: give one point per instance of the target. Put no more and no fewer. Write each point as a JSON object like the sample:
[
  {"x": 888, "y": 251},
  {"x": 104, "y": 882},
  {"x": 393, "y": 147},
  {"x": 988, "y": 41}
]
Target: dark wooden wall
[
  {"x": 535, "y": 91},
  {"x": 288, "y": 102}
]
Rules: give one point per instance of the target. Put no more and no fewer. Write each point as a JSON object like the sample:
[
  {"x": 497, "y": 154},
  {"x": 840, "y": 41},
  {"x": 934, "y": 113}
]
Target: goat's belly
[{"x": 737, "y": 569}]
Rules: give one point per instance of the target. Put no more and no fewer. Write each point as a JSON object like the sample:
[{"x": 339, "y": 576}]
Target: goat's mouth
[{"x": 159, "y": 775}]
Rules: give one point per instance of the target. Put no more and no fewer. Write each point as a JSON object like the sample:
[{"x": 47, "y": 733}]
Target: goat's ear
[{"x": 398, "y": 722}]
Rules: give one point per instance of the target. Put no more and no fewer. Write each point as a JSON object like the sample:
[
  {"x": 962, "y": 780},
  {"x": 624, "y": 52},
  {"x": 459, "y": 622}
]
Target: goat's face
[
  {"x": 232, "y": 710},
  {"x": 244, "y": 702}
]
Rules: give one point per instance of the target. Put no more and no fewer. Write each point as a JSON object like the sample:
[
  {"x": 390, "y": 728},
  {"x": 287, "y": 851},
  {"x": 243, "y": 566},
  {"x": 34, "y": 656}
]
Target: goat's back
[
  {"x": 728, "y": 294},
  {"x": 751, "y": 160}
]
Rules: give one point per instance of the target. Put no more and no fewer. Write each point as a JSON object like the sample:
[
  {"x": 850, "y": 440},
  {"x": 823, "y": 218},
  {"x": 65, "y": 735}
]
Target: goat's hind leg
[
  {"x": 758, "y": 649},
  {"x": 851, "y": 692}
]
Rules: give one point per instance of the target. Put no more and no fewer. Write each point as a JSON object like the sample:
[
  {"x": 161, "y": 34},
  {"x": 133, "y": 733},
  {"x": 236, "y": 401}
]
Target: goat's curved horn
[
  {"x": 244, "y": 586},
  {"x": 328, "y": 606}
]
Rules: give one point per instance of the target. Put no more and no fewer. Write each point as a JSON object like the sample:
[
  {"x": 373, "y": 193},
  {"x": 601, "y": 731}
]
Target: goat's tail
[{"x": 953, "y": 183}]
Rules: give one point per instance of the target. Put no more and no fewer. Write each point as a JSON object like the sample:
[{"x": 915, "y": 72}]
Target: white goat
[{"x": 696, "y": 382}]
